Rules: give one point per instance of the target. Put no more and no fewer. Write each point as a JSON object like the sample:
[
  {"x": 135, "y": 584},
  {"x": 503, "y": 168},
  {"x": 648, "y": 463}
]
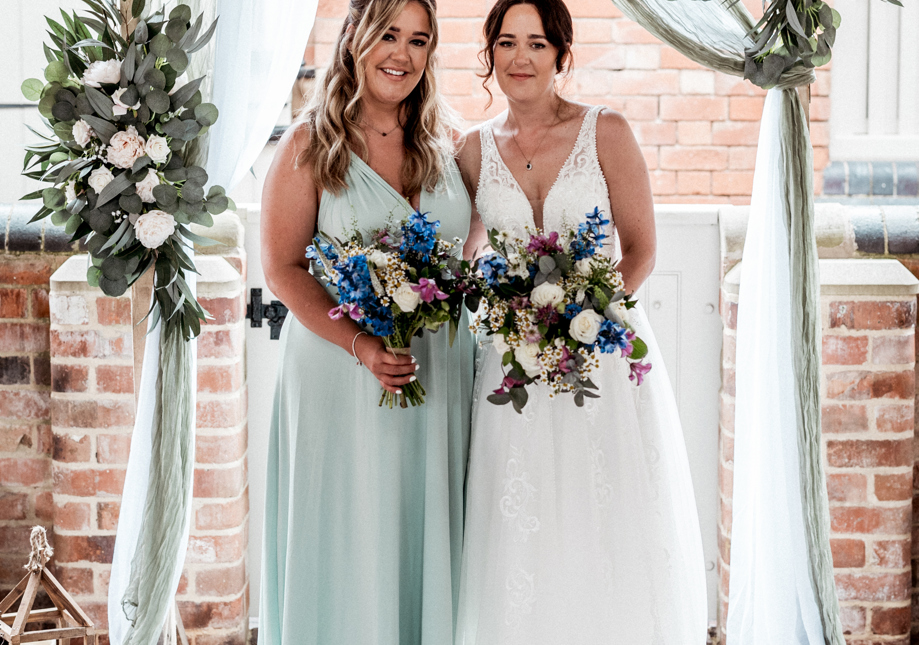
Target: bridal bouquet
[
  {"x": 123, "y": 125},
  {"x": 404, "y": 281},
  {"x": 552, "y": 304}
]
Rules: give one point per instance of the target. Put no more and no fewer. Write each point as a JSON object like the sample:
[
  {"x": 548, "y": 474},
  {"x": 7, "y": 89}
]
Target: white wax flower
[
  {"x": 500, "y": 344},
  {"x": 585, "y": 326},
  {"x": 406, "y": 298},
  {"x": 120, "y": 108},
  {"x": 125, "y": 148},
  {"x": 157, "y": 148},
  {"x": 102, "y": 71},
  {"x": 145, "y": 187},
  {"x": 547, "y": 294},
  {"x": 528, "y": 357},
  {"x": 100, "y": 178},
  {"x": 82, "y": 133},
  {"x": 153, "y": 228}
]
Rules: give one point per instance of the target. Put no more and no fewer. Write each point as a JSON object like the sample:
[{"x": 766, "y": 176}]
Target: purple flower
[
  {"x": 638, "y": 370},
  {"x": 567, "y": 363},
  {"x": 508, "y": 384},
  {"x": 519, "y": 302},
  {"x": 547, "y": 315},
  {"x": 428, "y": 290},
  {"x": 544, "y": 244},
  {"x": 345, "y": 309}
]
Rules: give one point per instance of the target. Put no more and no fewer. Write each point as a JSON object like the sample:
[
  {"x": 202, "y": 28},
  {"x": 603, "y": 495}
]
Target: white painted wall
[{"x": 681, "y": 299}]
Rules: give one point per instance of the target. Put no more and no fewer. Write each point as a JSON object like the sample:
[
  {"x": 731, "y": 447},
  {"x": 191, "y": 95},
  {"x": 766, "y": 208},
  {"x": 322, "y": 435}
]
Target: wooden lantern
[{"x": 70, "y": 621}]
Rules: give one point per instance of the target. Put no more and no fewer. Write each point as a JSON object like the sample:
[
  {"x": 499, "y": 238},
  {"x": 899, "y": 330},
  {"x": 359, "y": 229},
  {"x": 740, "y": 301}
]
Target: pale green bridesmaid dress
[{"x": 364, "y": 505}]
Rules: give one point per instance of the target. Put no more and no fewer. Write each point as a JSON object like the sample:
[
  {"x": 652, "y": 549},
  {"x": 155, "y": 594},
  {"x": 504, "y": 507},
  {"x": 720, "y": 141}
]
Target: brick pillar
[
  {"x": 92, "y": 366},
  {"x": 869, "y": 358}
]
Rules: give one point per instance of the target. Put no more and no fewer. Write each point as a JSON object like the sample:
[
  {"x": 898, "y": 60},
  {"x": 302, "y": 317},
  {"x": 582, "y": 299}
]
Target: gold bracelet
[{"x": 354, "y": 350}]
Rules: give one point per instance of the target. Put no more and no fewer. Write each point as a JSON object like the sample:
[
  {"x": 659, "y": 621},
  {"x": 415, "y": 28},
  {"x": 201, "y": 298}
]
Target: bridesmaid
[{"x": 364, "y": 508}]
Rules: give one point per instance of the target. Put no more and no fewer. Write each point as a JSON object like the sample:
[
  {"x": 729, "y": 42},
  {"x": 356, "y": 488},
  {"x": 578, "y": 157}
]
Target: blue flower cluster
[
  {"x": 355, "y": 287},
  {"x": 590, "y": 236},
  {"x": 419, "y": 236},
  {"x": 327, "y": 250},
  {"x": 611, "y": 337},
  {"x": 572, "y": 310},
  {"x": 493, "y": 266}
]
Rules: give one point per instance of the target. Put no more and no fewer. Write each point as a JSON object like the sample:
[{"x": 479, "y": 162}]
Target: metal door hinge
[{"x": 275, "y": 312}]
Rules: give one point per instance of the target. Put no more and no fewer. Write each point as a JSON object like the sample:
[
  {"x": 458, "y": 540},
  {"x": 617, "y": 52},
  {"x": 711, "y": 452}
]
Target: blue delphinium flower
[
  {"x": 419, "y": 236},
  {"x": 355, "y": 287},
  {"x": 590, "y": 235},
  {"x": 493, "y": 266},
  {"x": 327, "y": 250},
  {"x": 612, "y": 336},
  {"x": 572, "y": 310}
]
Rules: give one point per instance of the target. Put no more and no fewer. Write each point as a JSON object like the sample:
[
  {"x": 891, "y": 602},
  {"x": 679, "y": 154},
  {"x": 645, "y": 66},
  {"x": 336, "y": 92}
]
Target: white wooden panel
[
  {"x": 849, "y": 99},
  {"x": 865, "y": 147},
  {"x": 681, "y": 299},
  {"x": 909, "y": 70},
  {"x": 883, "y": 68}
]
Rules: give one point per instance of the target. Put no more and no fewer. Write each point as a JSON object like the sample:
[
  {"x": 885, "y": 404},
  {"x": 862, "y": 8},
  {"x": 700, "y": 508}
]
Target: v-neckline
[
  {"x": 557, "y": 176},
  {"x": 389, "y": 186}
]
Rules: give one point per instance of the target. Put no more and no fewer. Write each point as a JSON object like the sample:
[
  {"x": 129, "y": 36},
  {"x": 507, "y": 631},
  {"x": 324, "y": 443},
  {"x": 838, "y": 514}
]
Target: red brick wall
[
  {"x": 25, "y": 407},
  {"x": 697, "y": 128}
]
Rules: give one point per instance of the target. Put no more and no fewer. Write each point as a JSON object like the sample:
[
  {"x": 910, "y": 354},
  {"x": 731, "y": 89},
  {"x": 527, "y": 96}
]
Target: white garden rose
[
  {"x": 585, "y": 326},
  {"x": 406, "y": 298},
  {"x": 70, "y": 191},
  {"x": 378, "y": 258},
  {"x": 145, "y": 187},
  {"x": 102, "y": 71},
  {"x": 120, "y": 108},
  {"x": 82, "y": 133},
  {"x": 153, "y": 228},
  {"x": 157, "y": 148},
  {"x": 125, "y": 148},
  {"x": 500, "y": 344},
  {"x": 100, "y": 178},
  {"x": 547, "y": 294},
  {"x": 528, "y": 357},
  {"x": 583, "y": 266}
]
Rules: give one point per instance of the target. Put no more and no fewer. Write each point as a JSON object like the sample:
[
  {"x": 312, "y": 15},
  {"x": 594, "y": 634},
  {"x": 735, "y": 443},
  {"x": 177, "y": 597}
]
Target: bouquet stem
[{"x": 412, "y": 392}]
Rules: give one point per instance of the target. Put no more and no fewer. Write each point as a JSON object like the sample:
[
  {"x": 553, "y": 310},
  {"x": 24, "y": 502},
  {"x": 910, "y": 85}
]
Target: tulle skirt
[{"x": 581, "y": 525}]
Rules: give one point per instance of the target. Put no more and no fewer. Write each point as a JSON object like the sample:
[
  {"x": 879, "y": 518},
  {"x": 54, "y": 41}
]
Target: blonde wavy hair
[{"x": 334, "y": 115}]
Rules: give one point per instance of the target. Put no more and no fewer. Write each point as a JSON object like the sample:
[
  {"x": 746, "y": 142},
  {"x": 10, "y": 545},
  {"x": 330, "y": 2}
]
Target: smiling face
[
  {"x": 525, "y": 61},
  {"x": 394, "y": 65}
]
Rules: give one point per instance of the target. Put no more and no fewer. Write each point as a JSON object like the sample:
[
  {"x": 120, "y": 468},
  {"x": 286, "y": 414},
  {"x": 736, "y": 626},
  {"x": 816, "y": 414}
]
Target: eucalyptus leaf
[
  {"x": 185, "y": 92},
  {"x": 114, "y": 268},
  {"x": 206, "y": 114},
  {"x": 192, "y": 193},
  {"x": 639, "y": 349},
  {"x": 31, "y": 89},
  {"x": 176, "y": 174},
  {"x": 57, "y": 71},
  {"x": 201, "y": 42},
  {"x": 101, "y": 103},
  {"x": 92, "y": 276},
  {"x": 177, "y": 59},
  {"x": 60, "y": 218},
  {"x": 158, "y": 102},
  {"x": 146, "y": 64},
  {"x": 103, "y": 129},
  {"x": 137, "y": 7},
  {"x": 72, "y": 224},
  {"x": 196, "y": 174},
  {"x": 63, "y": 111},
  {"x": 141, "y": 32},
  {"x": 175, "y": 29},
  {"x": 156, "y": 78},
  {"x": 114, "y": 188},
  {"x": 82, "y": 105},
  {"x": 64, "y": 130},
  {"x": 53, "y": 198},
  {"x": 113, "y": 288},
  {"x": 192, "y": 33},
  {"x": 45, "y": 106},
  {"x": 159, "y": 45},
  {"x": 165, "y": 194},
  {"x": 130, "y": 203},
  {"x": 100, "y": 221}
]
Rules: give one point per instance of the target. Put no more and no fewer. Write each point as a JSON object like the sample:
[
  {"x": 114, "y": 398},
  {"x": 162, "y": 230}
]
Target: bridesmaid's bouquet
[
  {"x": 552, "y": 305},
  {"x": 404, "y": 281}
]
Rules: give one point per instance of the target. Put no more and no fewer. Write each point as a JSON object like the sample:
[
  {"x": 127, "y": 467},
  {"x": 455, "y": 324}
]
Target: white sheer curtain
[{"x": 258, "y": 50}]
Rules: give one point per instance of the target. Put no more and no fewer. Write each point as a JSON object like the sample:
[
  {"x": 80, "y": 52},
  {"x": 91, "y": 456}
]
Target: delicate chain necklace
[
  {"x": 538, "y": 146},
  {"x": 380, "y": 132}
]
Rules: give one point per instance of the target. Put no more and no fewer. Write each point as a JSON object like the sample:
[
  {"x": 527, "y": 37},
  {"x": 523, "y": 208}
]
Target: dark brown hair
[{"x": 556, "y": 22}]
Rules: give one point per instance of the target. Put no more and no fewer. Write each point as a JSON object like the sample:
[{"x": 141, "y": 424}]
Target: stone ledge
[{"x": 852, "y": 277}]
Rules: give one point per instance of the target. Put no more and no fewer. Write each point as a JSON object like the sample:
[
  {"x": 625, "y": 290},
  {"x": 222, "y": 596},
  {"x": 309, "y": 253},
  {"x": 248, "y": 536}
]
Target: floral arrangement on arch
[
  {"x": 404, "y": 281},
  {"x": 552, "y": 306},
  {"x": 123, "y": 122}
]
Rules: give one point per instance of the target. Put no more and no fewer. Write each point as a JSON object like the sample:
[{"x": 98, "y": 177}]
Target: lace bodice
[{"x": 579, "y": 188}]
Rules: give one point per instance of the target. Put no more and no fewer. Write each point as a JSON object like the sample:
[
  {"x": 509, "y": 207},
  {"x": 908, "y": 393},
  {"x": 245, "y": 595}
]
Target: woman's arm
[
  {"x": 626, "y": 175},
  {"x": 470, "y": 164},
  {"x": 290, "y": 204}
]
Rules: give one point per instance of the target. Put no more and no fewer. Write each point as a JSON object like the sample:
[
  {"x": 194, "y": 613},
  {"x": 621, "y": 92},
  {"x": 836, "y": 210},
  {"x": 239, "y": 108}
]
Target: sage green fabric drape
[{"x": 714, "y": 34}]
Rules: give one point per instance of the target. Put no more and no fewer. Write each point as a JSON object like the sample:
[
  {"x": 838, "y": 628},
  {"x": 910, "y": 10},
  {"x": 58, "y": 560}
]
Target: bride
[{"x": 581, "y": 525}]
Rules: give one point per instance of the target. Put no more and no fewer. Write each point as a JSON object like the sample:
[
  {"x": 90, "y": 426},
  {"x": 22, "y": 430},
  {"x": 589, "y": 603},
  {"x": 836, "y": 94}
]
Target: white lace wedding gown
[{"x": 581, "y": 525}]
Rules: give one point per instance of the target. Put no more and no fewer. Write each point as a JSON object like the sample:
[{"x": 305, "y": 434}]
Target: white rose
[
  {"x": 102, "y": 71},
  {"x": 406, "y": 298},
  {"x": 500, "y": 344},
  {"x": 583, "y": 266},
  {"x": 153, "y": 228},
  {"x": 70, "y": 191},
  {"x": 585, "y": 326},
  {"x": 547, "y": 294},
  {"x": 120, "y": 108},
  {"x": 378, "y": 258},
  {"x": 528, "y": 357},
  {"x": 82, "y": 133},
  {"x": 100, "y": 178},
  {"x": 145, "y": 187},
  {"x": 157, "y": 148},
  {"x": 125, "y": 148}
]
